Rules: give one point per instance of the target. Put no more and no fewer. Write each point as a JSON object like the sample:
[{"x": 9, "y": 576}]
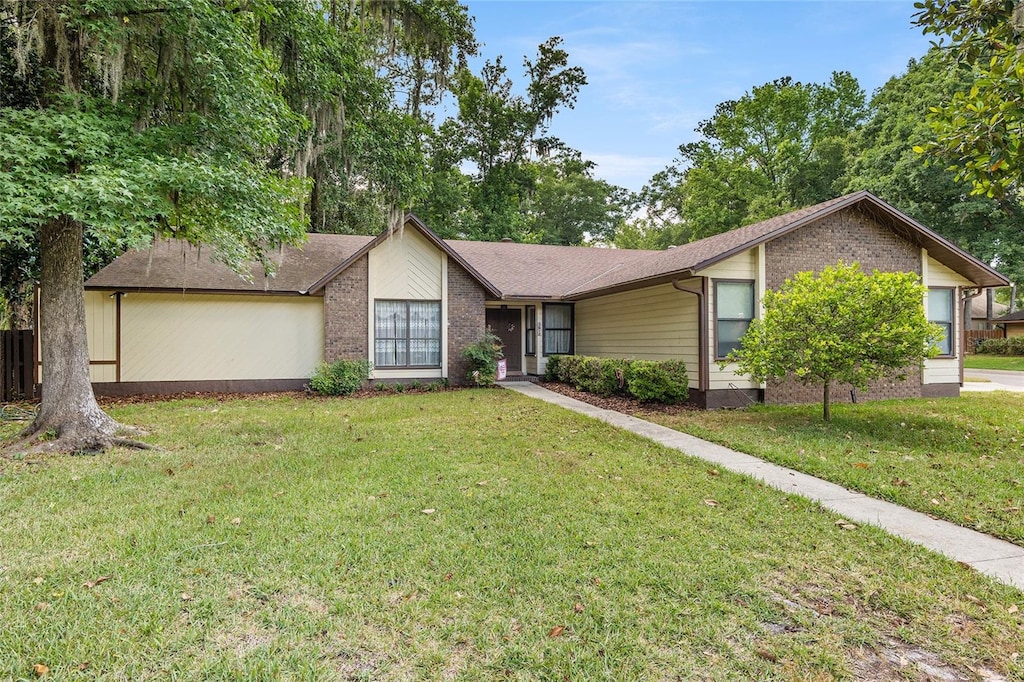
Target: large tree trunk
[{"x": 69, "y": 418}]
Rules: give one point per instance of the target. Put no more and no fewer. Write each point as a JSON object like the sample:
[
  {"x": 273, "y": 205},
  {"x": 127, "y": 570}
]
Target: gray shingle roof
[
  {"x": 171, "y": 265},
  {"x": 511, "y": 270},
  {"x": 543, "y": 271}
]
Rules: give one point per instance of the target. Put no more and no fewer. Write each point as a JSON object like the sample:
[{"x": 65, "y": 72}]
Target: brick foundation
[
  {"x": 346, "y": 308},
  {"x": 465, "y": 319},
  {"x": 852, "y": 236}
]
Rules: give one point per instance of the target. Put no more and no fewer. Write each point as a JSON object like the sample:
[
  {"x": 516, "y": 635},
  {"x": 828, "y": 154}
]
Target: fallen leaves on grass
[
  {"x": 578, "y": 607},
  {"x": 861, "y": 465},
  {"x": 93, "y": 583},
  {"x": 41, "y": 669},
  {"x": 428, "y": 511},
  {"x": 711, "y": 503},
  {"x": 846, "y": 525},
  {"x": 557, "y": 631}
]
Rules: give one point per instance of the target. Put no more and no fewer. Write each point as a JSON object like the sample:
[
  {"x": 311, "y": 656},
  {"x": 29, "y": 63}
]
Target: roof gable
[
  {"x": 411, "y": 221},
  {"x": 695, "y": 256}
]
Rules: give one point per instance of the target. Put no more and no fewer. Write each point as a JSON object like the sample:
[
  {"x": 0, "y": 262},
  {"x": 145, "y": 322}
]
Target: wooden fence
[
  {"x": 17, "y": 365},
  {"x": 973, "y": 336}
]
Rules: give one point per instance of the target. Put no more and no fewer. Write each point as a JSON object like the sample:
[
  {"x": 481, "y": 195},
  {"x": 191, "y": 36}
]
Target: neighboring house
[
  {"x": 169, "y": 319},
  {"x": 1012, "y": 323},
  {"x": 980, "y": 319}
]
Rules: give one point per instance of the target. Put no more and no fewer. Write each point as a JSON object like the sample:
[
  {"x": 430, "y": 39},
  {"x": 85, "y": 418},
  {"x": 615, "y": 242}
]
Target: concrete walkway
[{"x": 1001, "y": 560}]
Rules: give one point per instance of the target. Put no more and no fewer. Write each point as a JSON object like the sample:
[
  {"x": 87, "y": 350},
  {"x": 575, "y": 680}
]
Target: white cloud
[{"x": 631, "y": 172}]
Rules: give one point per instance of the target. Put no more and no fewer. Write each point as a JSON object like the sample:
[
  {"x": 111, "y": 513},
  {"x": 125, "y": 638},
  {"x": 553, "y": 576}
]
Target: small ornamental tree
[{"x": 843, "y": 326}]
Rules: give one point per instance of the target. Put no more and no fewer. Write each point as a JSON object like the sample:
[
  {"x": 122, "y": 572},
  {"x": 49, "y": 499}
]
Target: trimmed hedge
[
  {"x": 663, "y": 381},
  {"x": 1012, "y": 346}
]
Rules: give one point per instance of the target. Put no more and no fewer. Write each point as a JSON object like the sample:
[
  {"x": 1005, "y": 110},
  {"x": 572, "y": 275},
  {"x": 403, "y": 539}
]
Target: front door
[{"x": 506, "y": 324}]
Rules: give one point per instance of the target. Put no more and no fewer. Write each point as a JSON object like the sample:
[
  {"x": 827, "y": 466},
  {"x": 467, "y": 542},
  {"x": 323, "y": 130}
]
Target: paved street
[{"x": 997, "y": 380}]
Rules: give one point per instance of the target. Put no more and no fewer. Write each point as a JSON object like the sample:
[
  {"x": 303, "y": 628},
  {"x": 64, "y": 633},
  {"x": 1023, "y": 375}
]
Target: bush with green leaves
[
  {"x": 661, "y": 382},
  {"x": 483, "y": 355},
  {"x": 1011, "y": 346},
  {"x": 657, "y": 381},
  {"x": 341, "y": 377}
]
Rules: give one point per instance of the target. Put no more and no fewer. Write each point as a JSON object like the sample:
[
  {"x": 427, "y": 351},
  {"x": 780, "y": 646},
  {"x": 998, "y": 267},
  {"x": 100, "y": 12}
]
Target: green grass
[
  {"x": 287, "y": 539},
  {"x": 1007, "y": 362},
  {"x": 960, "y": 459}
]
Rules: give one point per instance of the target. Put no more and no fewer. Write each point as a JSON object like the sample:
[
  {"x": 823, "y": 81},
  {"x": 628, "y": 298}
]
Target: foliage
[
  {"x": 341, "y": 377},
  {"x": 525, "y": 184},
  {"x": 842, "y": 326},
  {"x": 980, "y": 127},
  {"x": 483, "y": 355},
  {"x": 1010, "y": 346},
  {"x": 779, "y": 147},
  {"x": 662, "y": 381},
  {"x": 569, "y": 206},
  {"x": 884, "y": 162}
]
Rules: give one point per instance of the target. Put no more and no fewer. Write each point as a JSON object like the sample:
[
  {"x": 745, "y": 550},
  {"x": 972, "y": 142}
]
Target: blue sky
[{"x": 655, "y": 69}]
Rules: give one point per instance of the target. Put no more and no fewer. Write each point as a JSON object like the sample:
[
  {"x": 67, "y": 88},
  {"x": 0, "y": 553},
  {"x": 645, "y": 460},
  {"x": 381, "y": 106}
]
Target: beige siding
[
  {"x": 656, "y": 323},
  {"x": 747, "y": 265},
  {"x": 193, "y": 337},
  {"x": 1014, "y": 330},
  {"x": 407, "y": 267},
  {"x": 938, "y": 275},
  {"x": 935, "y": 274},
  {"x": 101, "y": 330}
]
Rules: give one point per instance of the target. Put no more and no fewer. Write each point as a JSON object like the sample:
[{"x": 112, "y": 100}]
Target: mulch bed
[{"x": 617, "y": 403}]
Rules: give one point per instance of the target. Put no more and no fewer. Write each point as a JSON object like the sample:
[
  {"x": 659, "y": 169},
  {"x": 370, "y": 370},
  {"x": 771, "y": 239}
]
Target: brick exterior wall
[
  {"x": 852, "y": 236},
  {"x": 345, "y": 314},
  {"x": 465, "y": 319}
]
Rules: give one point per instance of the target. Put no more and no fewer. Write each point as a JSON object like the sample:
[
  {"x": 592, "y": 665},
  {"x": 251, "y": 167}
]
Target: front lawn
[
  {"x": 1008, "y": 362},
  {"x": 960, "y": 459},
  {"x": 463, "y": 535}
]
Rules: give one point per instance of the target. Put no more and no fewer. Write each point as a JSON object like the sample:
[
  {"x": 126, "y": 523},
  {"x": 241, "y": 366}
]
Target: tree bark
[
  {"x": 827, "y": 401},
  {"x": 69, "y": 418}
]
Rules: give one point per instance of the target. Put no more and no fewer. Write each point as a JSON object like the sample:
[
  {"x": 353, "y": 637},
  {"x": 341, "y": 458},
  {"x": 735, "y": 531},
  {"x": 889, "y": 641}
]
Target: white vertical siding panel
[
  {"x": 193, "y": 337},
  {"x": 101, "y": 332}
]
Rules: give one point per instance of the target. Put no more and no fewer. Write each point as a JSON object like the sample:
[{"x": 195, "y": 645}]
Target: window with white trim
[
  {"x": 557, "y": 328},
  {"x": 940, "y": 312},
  {"x": 734, "y": 309},
  {"x": 406, "y": 333}
]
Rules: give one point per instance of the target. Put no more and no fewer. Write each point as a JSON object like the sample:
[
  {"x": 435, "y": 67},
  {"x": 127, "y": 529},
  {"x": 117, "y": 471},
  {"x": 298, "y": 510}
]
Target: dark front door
[{"x": 506, "y": 324}]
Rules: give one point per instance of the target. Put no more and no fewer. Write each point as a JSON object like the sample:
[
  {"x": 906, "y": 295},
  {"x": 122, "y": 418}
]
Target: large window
[
  {"x": 940, "y": 312},
  {"x": 531, "y": 330},
  {"x": 407, "y": 334},
  {"x": 734, "y": 309},
  {"x": 557, "y": 328}
]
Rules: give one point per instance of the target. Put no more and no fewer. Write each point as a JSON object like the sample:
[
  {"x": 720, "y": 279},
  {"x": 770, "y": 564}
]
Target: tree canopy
[
  {"x": 779, "y": 147},
  {"x": 981, "y": 127},
  {"x": 196, "y": 119}
]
